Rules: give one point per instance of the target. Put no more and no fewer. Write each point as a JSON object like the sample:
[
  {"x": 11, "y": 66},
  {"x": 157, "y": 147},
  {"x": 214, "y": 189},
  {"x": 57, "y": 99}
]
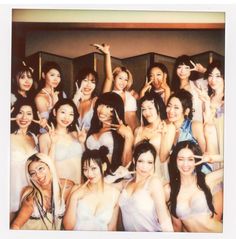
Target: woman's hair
[
  {"x": 140, "y": 148},
  {"x": 114, "y": 101},
  {"x": 175, "y": 179},
  {"x": 19, "y": 69},
  {"x": 99, "y": 156},
  {"x": 33, "y": 127},
  {"x": 162, "y": 67},
  {"x": 85, "y": 72},
  {"x": 37, "y": 192},
  {"x": 158, "y": 103},
  {"x": 60, "y": 102},
  {"x": 185, "y": 99},
  {"x": 120, "y": 69},
  {"x": 47, "y": 66},
  {"x": 215, "y": 64},
  {"x": 182, "y": 60}
]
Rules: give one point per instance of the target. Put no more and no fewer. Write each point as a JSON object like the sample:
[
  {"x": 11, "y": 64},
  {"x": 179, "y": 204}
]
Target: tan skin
[
  {"x": 26, "y": 210},
  {"x": 97, "y": 195},
  {"x": 189, "y": 190},
  {"x": 157, "y": 79},
  {"x": 121, "y": 83}
]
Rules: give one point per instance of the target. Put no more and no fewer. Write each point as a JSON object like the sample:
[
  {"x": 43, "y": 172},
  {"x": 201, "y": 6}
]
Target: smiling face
[
  {"x": 185, "y": 161},
  {"x": 39, "y": 172},
  {"x": 183, "y": 72},
  {"x": 104, "y": 113},
  {"x": 64, "y": 115},
  {"x": 88, "y": 85},
  {"x": 25, "y": 81},
  {"x": 92, "y": 171},
  {"x": 215, "y": 80},
  {"x": 121, "y": 81},
  {"x": 157, "y": 76},
  {"x": 52, "y": 78},
  {"x": 174, "y": 110},
  {"x": 24, "y": 117},
  {"x": 145, "y": 164},
  {"x": 149, "y": 111}
]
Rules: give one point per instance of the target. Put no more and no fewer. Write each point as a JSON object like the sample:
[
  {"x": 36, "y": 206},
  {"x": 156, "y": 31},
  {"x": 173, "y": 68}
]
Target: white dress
[{"x": 138, "y": 211}]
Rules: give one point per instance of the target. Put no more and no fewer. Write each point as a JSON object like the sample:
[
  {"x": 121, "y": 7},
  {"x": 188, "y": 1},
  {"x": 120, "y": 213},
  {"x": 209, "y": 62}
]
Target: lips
[
  {"x": 65, "y": 122},
  {"x": 23, "y": 122}
]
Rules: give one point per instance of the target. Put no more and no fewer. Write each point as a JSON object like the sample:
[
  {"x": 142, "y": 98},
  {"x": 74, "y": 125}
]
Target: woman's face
[
  {"x": 39, "y": 172},
  {"x": 104, "y": 113},
  {"x": 121, "y": 81},
  {"x": 52, "y": 78},
  {"x": 92, "y": 171},
  {"x": 185, "y": 161},
  {"x": 157, "y": 76},
  {"x": 149, "y": 111},
  {"x": 24, "y": 117},
  {"x": 174, "y": 110},
  {"x": 215, "y": 80},
  {"x": 88, "y": 85},
  {"x": 145, "y": 164},
  {"x": 64, "y": 115},
  {"x": 183, "y": 72},
  {"x": 25, "y": 81}
]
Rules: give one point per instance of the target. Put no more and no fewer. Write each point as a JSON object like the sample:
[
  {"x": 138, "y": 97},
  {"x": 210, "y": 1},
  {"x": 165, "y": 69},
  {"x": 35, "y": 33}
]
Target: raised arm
[
  {"x": 167, "y": 141},
  {"x": 198, "y": 133},
  {"x": 105, "y": 49}
]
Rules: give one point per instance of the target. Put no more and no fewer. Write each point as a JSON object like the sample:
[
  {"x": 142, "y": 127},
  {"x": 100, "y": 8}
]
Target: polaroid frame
[{"x": 229, "y": 193}]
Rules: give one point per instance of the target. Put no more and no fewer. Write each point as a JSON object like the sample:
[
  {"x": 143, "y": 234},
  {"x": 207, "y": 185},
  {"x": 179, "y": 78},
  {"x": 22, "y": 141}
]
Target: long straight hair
[
  {"x": 37, "y": 192},
  {"x": 175, "y": 180}
]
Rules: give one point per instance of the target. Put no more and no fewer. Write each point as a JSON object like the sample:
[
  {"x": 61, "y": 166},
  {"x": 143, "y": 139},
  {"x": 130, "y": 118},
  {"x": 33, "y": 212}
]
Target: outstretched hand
[
  {"x": 208, "y": 158},
  {"x": 52, "y": 133},
  {"x": 198, "y": 67},
  {"x": 81, "y": 134},
  {"x": 42, "y": 121},
  {"x": 104, "y": 48}
]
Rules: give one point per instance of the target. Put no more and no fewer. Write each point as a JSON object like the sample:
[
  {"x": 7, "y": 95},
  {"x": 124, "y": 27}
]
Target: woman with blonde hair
[
  {"x": 121, "y": 80},
  {"x": 43, "y": 201}
]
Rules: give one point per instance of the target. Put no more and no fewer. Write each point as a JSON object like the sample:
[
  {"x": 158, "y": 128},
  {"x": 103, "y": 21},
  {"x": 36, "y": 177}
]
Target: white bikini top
[
  {"x": 105, "y": 139},
  {"x": 68, "y": 151},
  {"x": 138, "y": 210},
  {"x": 197, "y": 205}
]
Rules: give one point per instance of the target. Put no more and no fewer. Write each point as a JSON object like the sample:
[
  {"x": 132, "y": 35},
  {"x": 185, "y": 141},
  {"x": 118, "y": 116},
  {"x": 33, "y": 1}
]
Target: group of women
[{"x": 118, "y": 160}]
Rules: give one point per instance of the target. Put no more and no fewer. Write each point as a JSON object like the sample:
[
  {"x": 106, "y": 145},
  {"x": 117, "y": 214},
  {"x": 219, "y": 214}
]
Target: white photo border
[{"x": 230, "y": 112}]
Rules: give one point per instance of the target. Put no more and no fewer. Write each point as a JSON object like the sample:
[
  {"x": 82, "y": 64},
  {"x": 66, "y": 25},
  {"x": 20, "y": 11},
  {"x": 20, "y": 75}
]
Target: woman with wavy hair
[
  {"x": 43, "y": 201},
  {"x": 24, "y": 143},
  {"x": 191, "y": 193}
]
